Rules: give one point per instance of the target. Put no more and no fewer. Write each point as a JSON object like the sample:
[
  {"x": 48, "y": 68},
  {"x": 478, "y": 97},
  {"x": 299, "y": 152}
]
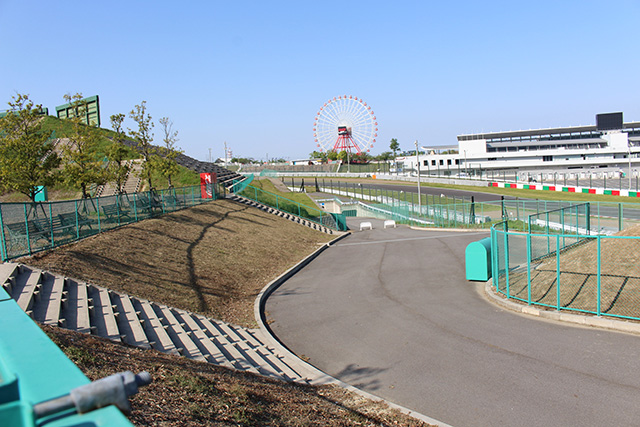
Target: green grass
[{"x": 299, "y": 204}]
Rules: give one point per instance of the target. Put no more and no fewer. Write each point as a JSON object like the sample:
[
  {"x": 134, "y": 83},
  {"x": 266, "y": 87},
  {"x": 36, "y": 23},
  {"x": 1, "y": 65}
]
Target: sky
[{"x": 254, "y": 74}]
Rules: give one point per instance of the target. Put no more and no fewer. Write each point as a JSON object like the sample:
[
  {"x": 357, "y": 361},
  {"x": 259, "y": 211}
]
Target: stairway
[
  {"x": 282, "y": 214},
  {"x": 60, "y": 301}
]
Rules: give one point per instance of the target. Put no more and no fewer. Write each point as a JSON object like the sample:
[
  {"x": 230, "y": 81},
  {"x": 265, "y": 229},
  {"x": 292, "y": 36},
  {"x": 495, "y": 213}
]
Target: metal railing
[
  {"x": 28, "y": 228},
  {"x": 290, "y": 206},
  {"x": 572, "y": 268}
]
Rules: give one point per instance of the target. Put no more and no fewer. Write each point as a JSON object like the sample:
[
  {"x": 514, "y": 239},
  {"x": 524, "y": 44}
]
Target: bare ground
[
  {"x": 190, "y": 393},
  {"x": 212, "y": 259}
]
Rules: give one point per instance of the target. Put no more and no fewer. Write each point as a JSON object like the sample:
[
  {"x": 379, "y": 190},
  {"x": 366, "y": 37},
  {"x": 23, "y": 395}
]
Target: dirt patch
[
  {"x": 212, "y": 259},
  {"x": 190, "y": 393}
]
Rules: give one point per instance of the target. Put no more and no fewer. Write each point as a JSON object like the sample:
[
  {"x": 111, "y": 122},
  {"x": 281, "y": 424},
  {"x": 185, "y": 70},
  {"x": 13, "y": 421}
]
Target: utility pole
[
  {"x": 225, "y": 154},
  {"x": 209, "y": 155},
  {"x": 418, "y": 161}
]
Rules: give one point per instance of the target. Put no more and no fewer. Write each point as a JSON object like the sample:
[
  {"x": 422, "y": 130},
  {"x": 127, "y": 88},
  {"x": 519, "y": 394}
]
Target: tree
[
  {"x": 332, "y": 155},
  {"x": 118, "y": 154},
  {"x": 80, "y": 157},
  {"x": 321, "y": 155},
  {"x": 342, "y": 155},
  {"x": 143, "y": 138},
  {"x": 384, "y": 156},
  {"x": 27, "y": 156},
  {"x": 166, "y": 160},
  {"x": 394, "y": 146}
]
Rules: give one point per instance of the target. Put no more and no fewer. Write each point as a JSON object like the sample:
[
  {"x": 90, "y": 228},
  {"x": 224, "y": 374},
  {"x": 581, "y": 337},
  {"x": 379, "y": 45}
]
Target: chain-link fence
[{"x": 31, "y": 227}]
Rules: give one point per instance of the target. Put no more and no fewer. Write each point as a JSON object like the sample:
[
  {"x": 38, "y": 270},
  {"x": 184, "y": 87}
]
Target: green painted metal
[
  {"x": 33, "y": 369},
  {"x": 478, "y": 260}
]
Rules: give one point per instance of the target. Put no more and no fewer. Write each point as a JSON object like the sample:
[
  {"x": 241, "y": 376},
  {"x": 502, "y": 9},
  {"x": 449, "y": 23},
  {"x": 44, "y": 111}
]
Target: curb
[
  {"x": 560, "y": 316},
  {"x": 295, "y": 362}
]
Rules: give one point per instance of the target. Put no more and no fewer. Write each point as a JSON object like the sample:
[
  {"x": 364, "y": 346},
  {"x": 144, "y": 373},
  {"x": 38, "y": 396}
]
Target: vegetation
[
  {"x": 80, "y": 159},
  {"x": 167, "y": 153},
  {"x": 117, "y": 154},
  {"x": 27, "y": 156},
  {"x": 143, "y": 138}
]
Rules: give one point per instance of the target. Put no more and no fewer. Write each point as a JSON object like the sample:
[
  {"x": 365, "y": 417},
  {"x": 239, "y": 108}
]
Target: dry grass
[
  {"x": 212, "y": 259},
  {"x": 190, "y": 393},
  {"x": 619, "y": 277}
]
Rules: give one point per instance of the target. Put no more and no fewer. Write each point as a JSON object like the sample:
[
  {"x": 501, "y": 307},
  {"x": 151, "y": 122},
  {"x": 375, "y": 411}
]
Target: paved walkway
[{"x": 390, "y": 311}]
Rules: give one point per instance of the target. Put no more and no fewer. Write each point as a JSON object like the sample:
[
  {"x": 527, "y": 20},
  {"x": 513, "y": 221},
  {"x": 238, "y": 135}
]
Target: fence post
[
  {"x": 599, "y": 259},
  {"x": 3, "y": 248},
  {"x": 557, "y": 273},
  {"x": 26, "y": 227},
  {"x": 53, "y": 244},
  {"x": 620, "y": 224},
  {"x": 98, "y": 210},
  {"x": 528, "y": 240}
]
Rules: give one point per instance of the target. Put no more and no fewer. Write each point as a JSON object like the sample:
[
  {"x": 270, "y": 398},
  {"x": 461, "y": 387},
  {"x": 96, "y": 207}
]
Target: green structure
[
  {"x": 478, "y": 260},
  {"x": 89, "y": 111}
]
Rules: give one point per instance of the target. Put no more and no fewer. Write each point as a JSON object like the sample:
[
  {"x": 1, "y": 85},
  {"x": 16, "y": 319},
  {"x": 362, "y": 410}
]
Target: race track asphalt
[{"x": 390, "y": 312}]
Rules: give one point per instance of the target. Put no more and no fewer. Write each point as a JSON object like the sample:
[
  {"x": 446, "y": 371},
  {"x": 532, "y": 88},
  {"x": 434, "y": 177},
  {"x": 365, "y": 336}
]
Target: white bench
[
  {"x": 366, "y": 224},
  {"x": 389, "y": 223}
]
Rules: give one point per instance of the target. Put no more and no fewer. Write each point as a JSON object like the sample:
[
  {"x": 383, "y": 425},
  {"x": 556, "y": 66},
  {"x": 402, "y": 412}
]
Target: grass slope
[{"x": 212, "y": 259}]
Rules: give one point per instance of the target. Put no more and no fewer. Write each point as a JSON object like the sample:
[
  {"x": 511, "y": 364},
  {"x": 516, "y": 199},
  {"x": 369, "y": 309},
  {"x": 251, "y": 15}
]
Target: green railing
[
  {"x": 290, "y": 206},
  {"x": 240, "y": 184},
  {"x": 32, "y": 227},
  {"x": 571, "y": 268}
]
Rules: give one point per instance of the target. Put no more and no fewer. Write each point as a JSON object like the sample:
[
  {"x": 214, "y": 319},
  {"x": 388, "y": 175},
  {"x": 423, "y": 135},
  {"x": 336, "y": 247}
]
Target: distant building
[{"x": 578, "y": 147}]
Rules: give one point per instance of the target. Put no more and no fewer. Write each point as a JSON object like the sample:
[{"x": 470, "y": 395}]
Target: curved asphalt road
[{"x": 389, "y": 311}]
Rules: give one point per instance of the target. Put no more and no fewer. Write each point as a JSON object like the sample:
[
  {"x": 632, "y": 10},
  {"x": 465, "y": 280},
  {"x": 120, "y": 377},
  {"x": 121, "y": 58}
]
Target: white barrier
[
  {"x": 390, "y": 223},
  {"x": 366, "y": 224}
]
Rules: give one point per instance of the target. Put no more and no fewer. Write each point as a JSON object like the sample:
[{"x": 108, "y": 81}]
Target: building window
[
  {"x": 433, "y": 162},
  {"x": 425, "y": 163},
  {"x": 547, "y": 158},
  {"x": 457, "y": 161},
  {"x": 441, "y": 162},
  {"x": 448, "y": 162},
  {"x": 492, "y": 159}
]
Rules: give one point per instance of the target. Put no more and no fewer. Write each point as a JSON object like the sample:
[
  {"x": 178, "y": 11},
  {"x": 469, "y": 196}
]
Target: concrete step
[
  {"x": 49, "y": 308},
  {"x": 103, "y": 319},
  {"x": 153, "y": 328},
  {"x": 205, "y": 343},
  {"x": 8, "y": 273},
  {"x": 76, "y": 310},
  {"x": 129, "y": 324},
  {"x": 177, "y": 333},
  {"x": 26, "y": 287}
]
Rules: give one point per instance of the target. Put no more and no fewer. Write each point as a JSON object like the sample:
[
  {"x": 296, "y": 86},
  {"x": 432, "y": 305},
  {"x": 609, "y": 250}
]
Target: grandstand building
[{"x": 610, "y": 145}]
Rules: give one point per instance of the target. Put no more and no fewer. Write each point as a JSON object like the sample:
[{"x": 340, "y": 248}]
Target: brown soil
[
  {"x": 189, "y": 393},
  {"x": 212, "y": 259}
]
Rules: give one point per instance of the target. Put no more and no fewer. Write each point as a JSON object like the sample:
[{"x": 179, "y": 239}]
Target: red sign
[{"x": 206, "y": 185}]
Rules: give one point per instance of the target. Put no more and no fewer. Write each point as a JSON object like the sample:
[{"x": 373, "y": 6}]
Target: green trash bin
[{"x": 478, "y": 260}]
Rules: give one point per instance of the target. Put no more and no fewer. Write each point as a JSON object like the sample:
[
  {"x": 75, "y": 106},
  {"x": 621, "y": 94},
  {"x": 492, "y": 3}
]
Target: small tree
[
  {"x": 166, "y": 161},
  {"x": 321, "y": 155},
  {"x": 394, "y": 146},
  {"x": 332, "y": 155},
  {"x": 27, "y": 156},
  {"x": 118, "y": 154},
  {"x": 143, "y": 138},
  {"x": 80, "y": 157}
]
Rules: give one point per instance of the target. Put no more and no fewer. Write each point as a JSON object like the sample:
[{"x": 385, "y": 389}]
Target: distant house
[{"x": 304, "y": 162}]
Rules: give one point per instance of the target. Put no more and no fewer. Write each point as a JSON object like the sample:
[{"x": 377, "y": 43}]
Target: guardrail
[
  {"x": 27, "y": 228},
  {"x": 564, "y": 269}
]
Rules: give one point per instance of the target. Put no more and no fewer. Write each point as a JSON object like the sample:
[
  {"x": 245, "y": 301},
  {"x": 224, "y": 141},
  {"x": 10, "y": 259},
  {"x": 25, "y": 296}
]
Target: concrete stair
[
  {"x": 285, "y": 215},
  {"x": 55, "y": 300}
]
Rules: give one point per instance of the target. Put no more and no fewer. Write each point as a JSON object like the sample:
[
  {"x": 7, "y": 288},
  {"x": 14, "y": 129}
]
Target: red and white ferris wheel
[{"x": 345, "y": 123}]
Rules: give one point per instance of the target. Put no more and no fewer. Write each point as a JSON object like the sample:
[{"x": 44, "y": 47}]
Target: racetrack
[{"x": 390, "y": 311}]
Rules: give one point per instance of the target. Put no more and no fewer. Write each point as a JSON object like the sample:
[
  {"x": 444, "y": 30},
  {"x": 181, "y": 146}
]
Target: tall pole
[
  {"x": 418, "y": 161},
  {"x": 225, "y": 154},
  {"x": 629, "y": 146}
]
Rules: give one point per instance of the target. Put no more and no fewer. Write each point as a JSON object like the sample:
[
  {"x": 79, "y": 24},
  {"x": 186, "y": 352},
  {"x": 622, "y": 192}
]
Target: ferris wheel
[{"x": 345, "y": 123}]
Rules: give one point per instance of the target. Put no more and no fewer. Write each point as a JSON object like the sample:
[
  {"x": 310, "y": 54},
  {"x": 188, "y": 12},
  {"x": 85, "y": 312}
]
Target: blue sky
[{"x": 255, "y": 73}]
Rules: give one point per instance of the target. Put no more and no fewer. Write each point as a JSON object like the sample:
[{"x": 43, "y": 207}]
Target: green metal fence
[
  {"x": 573, "y": 268},
  {"x": 290, "y": 206},
  {"x": 32, "y": 227}
]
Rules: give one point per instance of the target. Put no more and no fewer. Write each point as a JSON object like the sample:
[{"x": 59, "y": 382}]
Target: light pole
[
  {"x": 418, "y": 161},
  {"x": 629, "y": 147}
]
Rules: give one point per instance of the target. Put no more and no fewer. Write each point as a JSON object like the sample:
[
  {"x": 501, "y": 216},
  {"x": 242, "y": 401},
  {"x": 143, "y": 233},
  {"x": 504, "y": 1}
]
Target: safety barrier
[
  {"x": 289, "y": 206},
  {"x": 572, "y": 268},
  {"x": 27, "y": 228}
]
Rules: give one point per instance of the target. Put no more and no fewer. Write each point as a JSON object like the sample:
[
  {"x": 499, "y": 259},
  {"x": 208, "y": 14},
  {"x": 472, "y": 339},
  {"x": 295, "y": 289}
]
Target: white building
[{"x": 579, "y": 147}]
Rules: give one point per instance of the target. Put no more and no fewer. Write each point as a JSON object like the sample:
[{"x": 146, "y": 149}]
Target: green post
[
  {"x": 557, "y": 274},
  {"x": 53, "y": 244},
  {"x": 620, "y": 224},
  {"x": 599, "y": 260},
  {"x": 3, "y": 248},
  {"x": 528, "y": 240},
  {"x": 98, "y": 210},
  {"x": 135, "y": 207},
  {"x": 77, "y": 223}
]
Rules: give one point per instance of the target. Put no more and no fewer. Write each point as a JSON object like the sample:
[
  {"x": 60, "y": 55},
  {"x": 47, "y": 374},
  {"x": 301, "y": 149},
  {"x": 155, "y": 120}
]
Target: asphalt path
[{"x": 389, "y": 311}]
